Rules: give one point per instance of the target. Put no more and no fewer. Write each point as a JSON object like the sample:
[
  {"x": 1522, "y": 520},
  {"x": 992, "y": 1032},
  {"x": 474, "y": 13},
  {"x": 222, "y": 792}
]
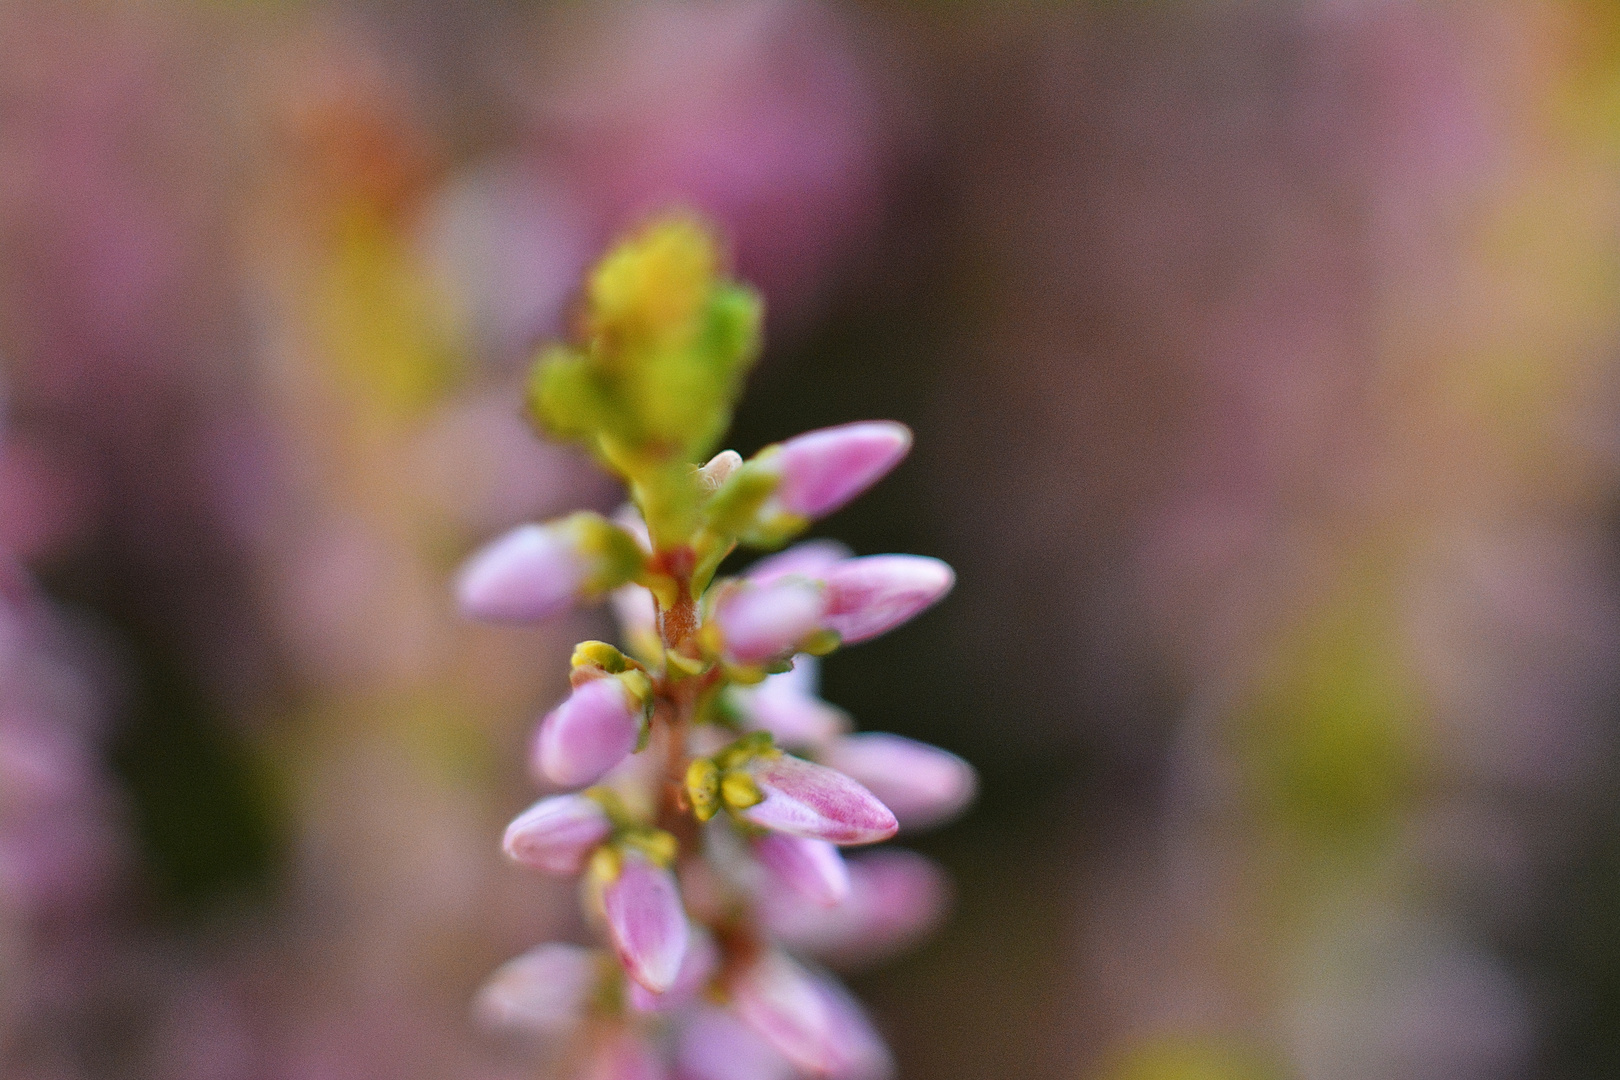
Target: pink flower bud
[
  {"x": 646, "y": 921},
  {"x": 759, "y": 622},
  {"x": 589, "y": 733},
  {"x": 558, "y": 834},
  {"x": 809, "y": 1019},
  {"x": 873, "y": 595},
  {"x": 623, "y": 1056},
  {"x": 896, "y": 898},
  {"x": 714, "y": 1045},
  {"x": 815, "y": 802},
  {"x": 546, "y": 990},
  {"x": 811, "y": 559},
  {"x": 698, "y": 966},
  {"x": 922, "y": 784},
  {"x": 811, "y": 868},
  {"x": 822, "y": 470},
  {"x": 531, "y": 573},
  {"x": 786, "y": 706}
]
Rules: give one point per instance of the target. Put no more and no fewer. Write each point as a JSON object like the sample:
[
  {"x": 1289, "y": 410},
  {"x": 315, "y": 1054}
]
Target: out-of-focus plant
[{"x": 718, "y": 789}]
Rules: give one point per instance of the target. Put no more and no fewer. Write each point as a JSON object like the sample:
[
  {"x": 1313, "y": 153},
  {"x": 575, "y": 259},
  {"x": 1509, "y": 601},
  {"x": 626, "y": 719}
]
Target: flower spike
[{"x": 712, "y": 850}]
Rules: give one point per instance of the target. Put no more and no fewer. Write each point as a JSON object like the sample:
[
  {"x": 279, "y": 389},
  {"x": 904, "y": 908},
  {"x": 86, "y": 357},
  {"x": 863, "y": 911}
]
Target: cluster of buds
[{"x": 711, "y": 790}]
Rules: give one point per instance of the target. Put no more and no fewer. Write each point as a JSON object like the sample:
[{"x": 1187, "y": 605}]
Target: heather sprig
[{"x": 717, "y": 789}]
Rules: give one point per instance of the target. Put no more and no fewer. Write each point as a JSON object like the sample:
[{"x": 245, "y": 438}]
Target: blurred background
[{"x": 1264, "y": 360}]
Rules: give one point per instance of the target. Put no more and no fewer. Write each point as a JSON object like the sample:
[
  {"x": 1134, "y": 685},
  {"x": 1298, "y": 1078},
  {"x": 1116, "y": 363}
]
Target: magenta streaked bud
[
  {"x": 873, "y": 595},
  {"x": 698, "y": 966},
  {"x": 715, "y": 1045},
  {"x": 546, "y": 990},
  {"x": 786, "y": 706},
  {"x": 812, "y": 868},
  {"x": 761, "y": 622},
  {"x": 896, "y": 898},
  {"x": 811, "y": 559},
  {"x": 623, "y": 1056},
  {"x": 589, "y": 733},
  {"x": 646, "y": 921},
  {"x": 801, "y": 798},
  {"x": 558, "y": 834},
  {"x": 822, "y": 470},
  {"x": 809, "y": 1019},
  {"x": 922, "y": 784},
  {"x": 531, "y": 573}
]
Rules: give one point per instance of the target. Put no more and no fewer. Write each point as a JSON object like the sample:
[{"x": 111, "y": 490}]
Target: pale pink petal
[
  {"x": 873, "y": 595},
  {"x": 786, "y": 706},
  {"x": 922, "y": 784},
  {"x": 558, "y": 834},
  {"x": 811, "y": 559},
  {"x": 812, "y": 868},
  {"x": 809, "y": 1019},
  {"x": 698, "y": 966},
  {"x": 761, "y": 622},
  {"x": 813, "y": 801},
  {"x": 646, "y": 922},
  {"x": 822, "y": 470},
  {"x": 896, "y": 898},
  {"x": 714, "y": 1045},
  {"x": 588, "y": 734},
  {"x": 546, "y": 990},
  {"x": 531, "y": 573}
]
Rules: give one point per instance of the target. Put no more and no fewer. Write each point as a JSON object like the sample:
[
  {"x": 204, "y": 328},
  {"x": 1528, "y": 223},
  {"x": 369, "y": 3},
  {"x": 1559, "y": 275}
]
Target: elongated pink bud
[
  {"x": 786, "y": 706},
  {"x": 589, "y": 733},
  {"x": 809, "y": 1019},
  {"x": 811, "y": 559},
  {"x": 623, "y": 1056},
  {"x": 815, "y": 802},
  {"x": 811, "y": 868},
  {"x": 698, "y": 965},
  {"x": 546, "y": 990},
  {"x": 536, "y": 571},
  {"x": 922, "y": 784},
  {"x": 646, "y": 921},
  {"x": 760, "y": 622},
  {"x": 896, "y": 898},
  {"x": 558, "y": 834},
  {"x": 822, "y": 470},
  {"x": 531, "y": 573},
  {"x": 715, "y": 1045},
  {"x": 873, "y": 595}
]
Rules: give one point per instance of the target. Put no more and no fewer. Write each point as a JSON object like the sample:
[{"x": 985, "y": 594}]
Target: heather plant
[{"x": 710, "y": 791}]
